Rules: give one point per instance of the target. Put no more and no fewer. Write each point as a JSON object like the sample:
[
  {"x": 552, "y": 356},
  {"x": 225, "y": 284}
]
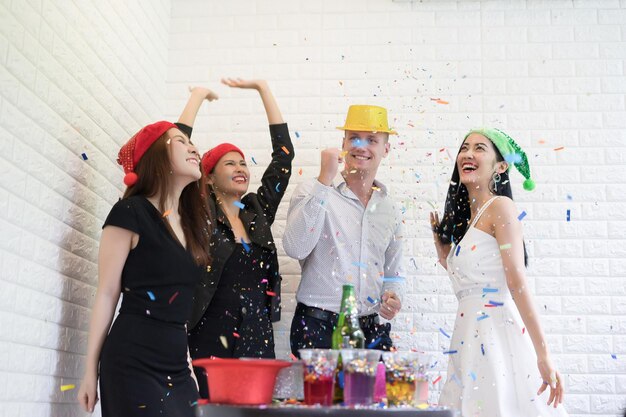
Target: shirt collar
[{"x": 339, "y": 183}]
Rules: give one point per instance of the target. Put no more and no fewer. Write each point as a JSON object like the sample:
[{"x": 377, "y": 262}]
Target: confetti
[
  {"x": 224, "y": 342},
  {"x": 246, "y": 247},
  {"x": 253, "y": 161},
  {"x": 173, "y": 297},
  {"x": 142, "y": 406},
  {"x": 458, "y": 249},
  {"x": 300, "y": 171},
  {"x": 285, "y": 150},
  {"x": 393, "y": 279},
  {"x": 293, "y": 357},
  {"x": 264, "y": 281},
  {"x": 568, "y": 215},
  {"x": 474, "y": 247},
  {"x": 67, "y": 387},
  {"x": 359, "y": 264},
  {"x": 437, "y": 380},
  {"x": 496, "y": 303},
  {"x": 374, "y": 343},
  {"x": 450, "y": 352},
  {"x": 277, "y": 188},
  {"x": 442, "y": 102},
  {"x": 490, "y": 289},
  {"x": 569, "y": 197},
  {"x": 482, "y": 349},
  {"x": 270, "y": 293},
  {"x": 297, "y": 134},
  {"x": 443, "y": 332},
  {"x": 423, "y": 406},
  {"x": 151, "y": 295},
  {"x": 559, "y": 148},
  {"x": 505, "y": 246},
  {"x": 84, "y": 156},
  {"x": 523, "y": 330},
  {"x": 483, "y": 317},
  {"x": 521, "y": 216},
  {"x": 235, "y": 334},
  {"x": 239, "y": 204},
  {"x": 472, "y": 375},
  {"x": 371, "y": 300},
  {"x": 613, "y": 355},
  {"x": 167, "y": 213}
]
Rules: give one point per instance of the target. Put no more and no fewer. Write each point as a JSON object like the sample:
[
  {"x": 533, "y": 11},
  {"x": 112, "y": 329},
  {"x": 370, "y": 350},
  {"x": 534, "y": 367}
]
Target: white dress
[{"x": 492, "y": 369}]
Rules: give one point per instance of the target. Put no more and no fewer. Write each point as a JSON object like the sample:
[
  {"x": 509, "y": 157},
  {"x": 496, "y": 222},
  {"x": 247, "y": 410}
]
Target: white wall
[
  {"x": 75, "y": 77},
  {"x": 551, "y": 73}
]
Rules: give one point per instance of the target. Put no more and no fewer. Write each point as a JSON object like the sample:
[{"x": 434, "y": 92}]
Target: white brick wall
[
  {"x": 75, "y": 77},
  {"x": 80, "y": 77},
  {"x": 552, "y": 73}
]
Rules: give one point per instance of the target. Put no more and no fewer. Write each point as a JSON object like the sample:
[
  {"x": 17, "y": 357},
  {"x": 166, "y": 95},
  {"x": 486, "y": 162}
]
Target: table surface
[{"x": 213, "y": 410}]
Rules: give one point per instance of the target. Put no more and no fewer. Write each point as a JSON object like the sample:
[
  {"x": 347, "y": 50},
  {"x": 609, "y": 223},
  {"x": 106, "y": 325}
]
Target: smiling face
[
  {"x": 183, "y": 154},
  {"x": 365, "y": 150},
  {"x": 230, "y": 175},
  {"x": 477, "y": 161}
]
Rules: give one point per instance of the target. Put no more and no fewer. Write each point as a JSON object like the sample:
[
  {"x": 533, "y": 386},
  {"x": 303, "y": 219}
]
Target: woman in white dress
[{"x": 498, "y": 355}]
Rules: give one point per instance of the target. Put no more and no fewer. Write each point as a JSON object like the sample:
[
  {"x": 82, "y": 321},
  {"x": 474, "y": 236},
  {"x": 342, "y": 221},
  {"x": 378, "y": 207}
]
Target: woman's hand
[
  {"x": 551, "y": 378},
  {"x": 88, "y": 394},
  {"x": 442, "y": 250},
  {"x": 241, "y": 83},
  {"x": 205, "y": 93}
]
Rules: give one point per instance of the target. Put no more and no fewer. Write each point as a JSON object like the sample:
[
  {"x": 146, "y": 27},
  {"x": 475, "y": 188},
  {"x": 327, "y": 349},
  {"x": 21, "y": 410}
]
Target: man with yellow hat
[{"x": 344, "y": 228}]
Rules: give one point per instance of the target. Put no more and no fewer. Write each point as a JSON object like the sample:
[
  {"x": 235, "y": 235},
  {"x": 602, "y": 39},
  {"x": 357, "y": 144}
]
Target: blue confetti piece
[
  {"x": 84, "y": 155},
  {"x": 245, "y": 246},
  {"x": 239, "y": 204},
  {"x": 568, "y": 214},
  {"x": 483, "y": 317},
  {"x": 393, "y": 279},
  {"x": 472, "y": 375},
  {"x": 374, "y": 343},
  {"x": 278, "y": 188},
  {"x": 458, "y": 249},
  {"x": 450, "y": 352},
  {"x": 193, "y": 404},
  {"x": 521, "y": 216},
  {"x": 486, "y": 289},
  {"x": 569, "y": 197},
  {"x": 496, "y": 303},
  {"x": 297, "y": 134},
  {"x": 359, "y": 143},
  {"x": 371, "y": 300},
  {"x": 482, "y": 349},
  {"x": 613, "y": 355},
  {"x": 152, "y": 297},
  {"x": 253, "y": 160},
  {"x": 359, "y": 264},
  {"x": 443, "y": 332},
  {"x": 513, "y": 158}
]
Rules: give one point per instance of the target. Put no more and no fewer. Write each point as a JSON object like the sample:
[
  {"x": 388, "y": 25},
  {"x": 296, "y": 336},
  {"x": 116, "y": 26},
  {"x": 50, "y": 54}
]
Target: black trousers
[{"x": 313, "y": 328}]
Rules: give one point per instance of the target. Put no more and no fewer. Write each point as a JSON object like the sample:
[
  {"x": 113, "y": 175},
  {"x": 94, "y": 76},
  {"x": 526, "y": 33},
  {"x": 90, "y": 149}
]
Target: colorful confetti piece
[
  {"x": 450, "y": 352},
  {"x": 513, "y": 158},
  {"x": 300, "y": 171},
  {"x": 437, "y": 380},
  {"x": 151, "y": 295},
  {"x": 521, "y": 216},
  {"x": 235, "y": 334},
  {"x": 393, "y": 279},
  {"x": 496, "y": 303},
  {"x": 239, "y": 204},
  {"x": 560, "y": 148},
  {"x": 359, "y": 264},
  {"x": 67, "y": 387},
  {"x": 371, "y": 300},
  {"x": 443, "y": 332},
  {"x": 458, "y": 249},
  {"x": 472, "y": 375},
  {"x": 482, "y": 349},
  {"x": 84, "y": 156},
  {"x": 270, "y": 293},
  {"x": 253, "y": 161},
  {"x": 487, "y": 289},
  {"x": 569, "y": 215},
  {"x": 173, "y": 297},
  {"x": 224, "y": 341},
  {"x": 167, "y": 213},
  {"x": 246, "y": 247},
  {"x": 285, "y": 150},
  {"x": 483, "y": 317},
  {"x": 473, "y": 247},
  {"x": 374, "y": 343},
  {"x": 613, "y": 355},
  {"x": 505, "y": 246},
  {"x": 277, "y": 188},
  {"x": 293, "y": 357},
  {"x": 297, "y": 134}
]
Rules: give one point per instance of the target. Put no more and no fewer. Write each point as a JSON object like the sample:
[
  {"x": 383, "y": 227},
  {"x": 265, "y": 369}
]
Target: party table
[{"x": 213, "y": 410}]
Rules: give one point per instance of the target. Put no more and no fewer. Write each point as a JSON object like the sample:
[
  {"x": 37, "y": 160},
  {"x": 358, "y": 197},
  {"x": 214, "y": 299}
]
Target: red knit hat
[
  {"x": 133, "y": 150},
  {"x": 210, "y": 158}
]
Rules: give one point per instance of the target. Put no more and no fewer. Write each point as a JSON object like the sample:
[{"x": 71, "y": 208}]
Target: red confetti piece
[
  {"x": 442, "y": 102},
  {"x": 300, "y": 172},
  {"x": 293, "y": 357},
  {"x": 437, "y": 380},
  {"x": 285, "y": 150},
  {"x": 235, "y": 334},
  {"x": 523, "y": 330},
  {"x": 474, "y": 247},
  {"x": 559, "y": 148},
  {"x": 173, "y": 297},
  {"x": 270, "y": 293},
  {"x": 167, "y": 213}
]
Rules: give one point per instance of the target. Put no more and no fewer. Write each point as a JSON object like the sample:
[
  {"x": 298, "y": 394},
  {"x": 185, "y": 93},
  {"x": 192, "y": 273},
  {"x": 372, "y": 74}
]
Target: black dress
[{"x": 143, "y": 364}]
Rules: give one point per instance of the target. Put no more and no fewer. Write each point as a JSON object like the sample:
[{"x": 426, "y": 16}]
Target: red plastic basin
[{"x": 241, "y": 381}]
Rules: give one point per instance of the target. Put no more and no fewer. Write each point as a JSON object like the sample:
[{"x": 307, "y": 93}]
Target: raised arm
[
  {"x": 115, "y": 245},
  {"x": 197, "y": 96},
  {"x": 271, "y": 107},
  {"x": 508, "y": 231}
]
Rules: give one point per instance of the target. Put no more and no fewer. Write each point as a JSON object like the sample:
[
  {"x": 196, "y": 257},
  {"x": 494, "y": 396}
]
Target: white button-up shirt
[{"x": 339, "y": 241}]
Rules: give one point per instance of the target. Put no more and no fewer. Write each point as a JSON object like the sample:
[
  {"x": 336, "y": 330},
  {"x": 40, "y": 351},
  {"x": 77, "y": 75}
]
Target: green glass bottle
[{"x": 346, "y": 335}]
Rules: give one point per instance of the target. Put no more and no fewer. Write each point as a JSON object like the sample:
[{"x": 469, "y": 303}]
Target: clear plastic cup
[
  {"x": 403, "y": 371},
  {"x": 319, "y": 375},
  {"x": 359, "y": 373}
]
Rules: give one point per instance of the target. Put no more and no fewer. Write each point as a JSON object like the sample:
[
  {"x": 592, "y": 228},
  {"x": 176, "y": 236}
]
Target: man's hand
[
  {"x": 390, "y": 305},
  {"x": 331, "y": 158}
]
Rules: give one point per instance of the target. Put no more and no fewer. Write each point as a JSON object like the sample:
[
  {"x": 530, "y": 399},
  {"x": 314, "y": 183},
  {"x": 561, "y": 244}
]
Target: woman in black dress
[
  {"x": 236, "y": 303},
  {"x": 153, "y": 251}
]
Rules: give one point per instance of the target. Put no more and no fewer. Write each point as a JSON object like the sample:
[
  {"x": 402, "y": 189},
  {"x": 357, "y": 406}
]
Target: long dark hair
[
  {"x": 153, "y": 171},
  {"x": 457, "y": 213}
]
